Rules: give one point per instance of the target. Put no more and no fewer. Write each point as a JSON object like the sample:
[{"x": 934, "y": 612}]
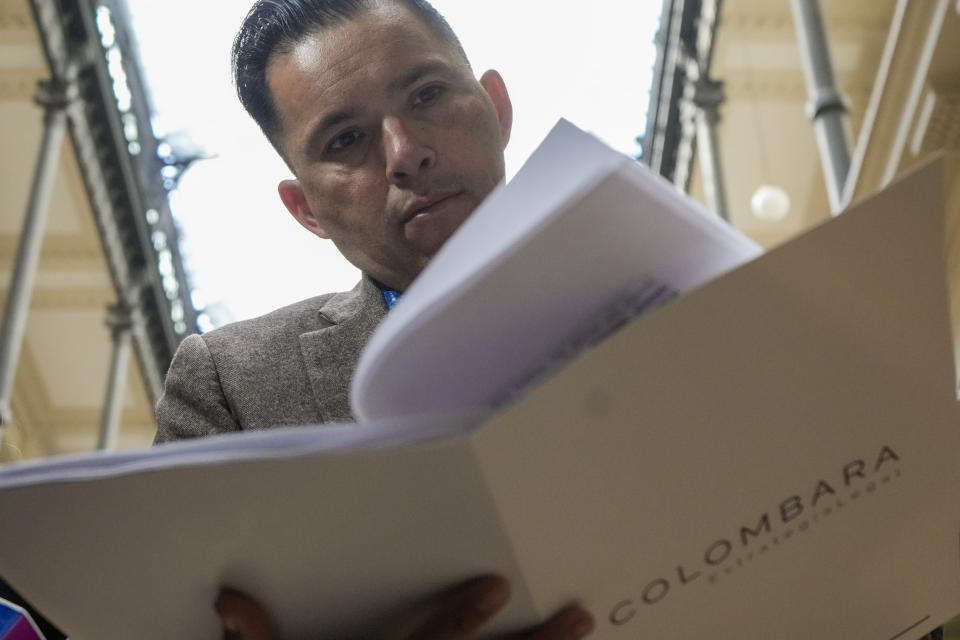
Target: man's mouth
[{"x": 424, "y": 205}]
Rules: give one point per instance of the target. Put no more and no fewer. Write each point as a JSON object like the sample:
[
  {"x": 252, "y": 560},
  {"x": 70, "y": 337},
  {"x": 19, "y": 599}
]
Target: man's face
[{"x": 392, "y": 139}]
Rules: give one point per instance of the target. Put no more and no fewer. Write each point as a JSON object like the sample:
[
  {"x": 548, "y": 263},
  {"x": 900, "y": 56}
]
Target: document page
[
  {"x": 334, "y": 543},
  {"x": 275, "y": 443},
  {"x": 772, "y": 455}
]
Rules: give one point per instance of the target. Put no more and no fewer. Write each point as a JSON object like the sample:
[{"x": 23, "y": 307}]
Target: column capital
[
  {"x": 119, "y": 319},
  {"x": 708, "y": 94},
  {"x": 825, "y": 100},
  {"x": 56, "y": 94}
]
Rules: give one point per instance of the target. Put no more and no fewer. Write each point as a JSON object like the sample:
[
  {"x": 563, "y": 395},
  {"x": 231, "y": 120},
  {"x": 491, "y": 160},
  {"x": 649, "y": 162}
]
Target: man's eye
[
  {"x": 344, "y": 140},
  {"x": 427, "y": 95}
]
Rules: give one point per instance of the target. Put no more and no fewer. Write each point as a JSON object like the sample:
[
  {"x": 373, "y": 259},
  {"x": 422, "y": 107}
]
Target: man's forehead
[{"x": 382, "y": 35}]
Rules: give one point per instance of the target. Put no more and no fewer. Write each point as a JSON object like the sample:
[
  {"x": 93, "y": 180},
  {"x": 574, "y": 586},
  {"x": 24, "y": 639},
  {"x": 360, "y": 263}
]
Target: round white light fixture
[{"x": 770, "y": 203}]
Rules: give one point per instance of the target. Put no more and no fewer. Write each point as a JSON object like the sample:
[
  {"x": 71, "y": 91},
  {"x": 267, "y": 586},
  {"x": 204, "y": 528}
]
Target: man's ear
[
  {"x": 293, "y": 198},
  {"x": 492, "y": 82}
]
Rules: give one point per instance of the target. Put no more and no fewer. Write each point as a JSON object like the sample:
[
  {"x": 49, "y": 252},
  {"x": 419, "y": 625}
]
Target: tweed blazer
[{"x": 292, "y": 366}]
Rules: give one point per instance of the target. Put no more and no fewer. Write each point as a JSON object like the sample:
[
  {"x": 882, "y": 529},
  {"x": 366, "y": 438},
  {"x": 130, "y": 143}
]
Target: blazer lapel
[{"x": 347, "y": 319}]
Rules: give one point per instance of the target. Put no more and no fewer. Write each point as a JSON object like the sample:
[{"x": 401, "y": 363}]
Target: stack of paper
[{"x": 773, "y": 453}]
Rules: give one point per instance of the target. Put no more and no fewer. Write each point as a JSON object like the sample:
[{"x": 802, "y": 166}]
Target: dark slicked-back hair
[{"x": 276, "y": 26}]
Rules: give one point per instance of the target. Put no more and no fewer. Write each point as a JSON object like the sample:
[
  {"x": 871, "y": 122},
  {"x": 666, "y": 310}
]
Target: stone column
[
  {"x": 826, "y": 107},
  {"x": 707, "y": 96},
  {"x": 55, "y": 96},
  {"x": 120, "y": 321}
]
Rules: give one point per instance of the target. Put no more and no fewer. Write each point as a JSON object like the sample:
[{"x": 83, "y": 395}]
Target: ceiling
[{"x": 765, "y": 135}]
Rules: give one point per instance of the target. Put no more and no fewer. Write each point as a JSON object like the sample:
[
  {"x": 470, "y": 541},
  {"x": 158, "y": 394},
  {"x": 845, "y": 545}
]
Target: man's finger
[
  {"x": 461, "y": 612},
  {"x": 570, "y": 623},
  {"x": 243, "y": 617}
]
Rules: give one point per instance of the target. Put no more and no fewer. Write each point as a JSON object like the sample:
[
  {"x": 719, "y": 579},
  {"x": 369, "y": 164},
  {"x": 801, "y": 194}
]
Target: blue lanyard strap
[{"x": 391, "y": 297}]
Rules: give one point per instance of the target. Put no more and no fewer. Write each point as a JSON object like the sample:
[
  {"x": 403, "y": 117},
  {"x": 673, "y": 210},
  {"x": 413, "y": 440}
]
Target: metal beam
[{"x": 121, "y": 184}]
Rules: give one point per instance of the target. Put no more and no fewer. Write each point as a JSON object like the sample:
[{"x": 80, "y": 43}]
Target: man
[{"x": 393, "y": 143}]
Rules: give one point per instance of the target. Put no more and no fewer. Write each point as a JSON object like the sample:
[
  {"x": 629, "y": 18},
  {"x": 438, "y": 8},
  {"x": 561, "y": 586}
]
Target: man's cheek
[{"x": 463, "y": 114}]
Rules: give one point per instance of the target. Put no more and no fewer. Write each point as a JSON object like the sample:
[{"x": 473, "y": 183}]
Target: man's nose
[{"x": 406, "y": 153}]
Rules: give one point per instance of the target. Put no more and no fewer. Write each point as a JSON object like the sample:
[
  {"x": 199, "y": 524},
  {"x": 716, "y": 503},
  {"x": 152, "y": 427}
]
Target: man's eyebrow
[{"x": 412, "y": 76}]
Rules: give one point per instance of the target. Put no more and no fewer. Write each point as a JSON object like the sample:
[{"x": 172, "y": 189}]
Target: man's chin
[{"x": 427, "y": 234}]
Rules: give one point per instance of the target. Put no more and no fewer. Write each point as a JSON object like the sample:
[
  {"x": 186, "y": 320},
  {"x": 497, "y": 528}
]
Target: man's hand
[
  {"x": 242, "y": 617},
  {"x": 457, "y": 615}
]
